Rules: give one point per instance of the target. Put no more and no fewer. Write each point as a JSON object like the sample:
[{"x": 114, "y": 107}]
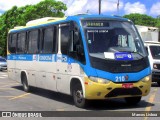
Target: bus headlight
[
  {"x": 99, "y": 80},
  {"x": 146, "y": 79}
]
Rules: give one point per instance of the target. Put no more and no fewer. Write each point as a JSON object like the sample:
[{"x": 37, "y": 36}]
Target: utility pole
[
  {"x": 99, "y": 7},
  {"x": 118, "y": 7}
]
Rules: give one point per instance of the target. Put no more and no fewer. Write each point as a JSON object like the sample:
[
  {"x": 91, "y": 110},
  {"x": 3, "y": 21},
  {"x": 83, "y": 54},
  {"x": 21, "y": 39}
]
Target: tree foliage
[
  {"x": 142, "y": 19},
  {"x": 158, "y": 23},
  {"x": 20, "y": 16}
]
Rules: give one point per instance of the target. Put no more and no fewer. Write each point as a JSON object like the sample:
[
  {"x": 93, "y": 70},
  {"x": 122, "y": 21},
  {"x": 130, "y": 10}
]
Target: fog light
[{"x": 155, "y": 66}]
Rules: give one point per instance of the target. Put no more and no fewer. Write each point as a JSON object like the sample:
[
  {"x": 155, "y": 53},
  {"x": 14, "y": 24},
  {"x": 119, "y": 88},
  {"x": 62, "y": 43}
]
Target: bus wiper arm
[{"x": 137, "y": 53}]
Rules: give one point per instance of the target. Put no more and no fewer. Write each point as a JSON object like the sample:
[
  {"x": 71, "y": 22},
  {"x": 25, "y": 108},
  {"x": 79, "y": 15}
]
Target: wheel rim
[{"x": 79, "y": 96}]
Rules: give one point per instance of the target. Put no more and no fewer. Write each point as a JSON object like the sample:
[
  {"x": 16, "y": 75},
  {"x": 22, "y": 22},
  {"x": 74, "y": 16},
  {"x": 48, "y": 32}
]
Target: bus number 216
[{"x": 120, "y": 78}]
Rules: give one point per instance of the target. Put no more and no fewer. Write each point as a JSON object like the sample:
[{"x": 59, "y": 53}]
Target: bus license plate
[{"x": 127, "y": 85}]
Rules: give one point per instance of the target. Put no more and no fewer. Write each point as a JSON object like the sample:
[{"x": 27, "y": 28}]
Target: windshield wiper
[{"x": 138, "y": 54}]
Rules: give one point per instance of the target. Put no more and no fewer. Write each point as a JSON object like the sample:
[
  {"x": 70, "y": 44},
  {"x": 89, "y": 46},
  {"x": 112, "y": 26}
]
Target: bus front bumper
[{"x": 95, "y": 90}]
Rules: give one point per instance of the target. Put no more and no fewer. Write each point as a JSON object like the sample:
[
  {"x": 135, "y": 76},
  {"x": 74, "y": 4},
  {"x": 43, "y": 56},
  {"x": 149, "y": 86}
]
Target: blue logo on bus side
[{"x": 46, "y": 58}]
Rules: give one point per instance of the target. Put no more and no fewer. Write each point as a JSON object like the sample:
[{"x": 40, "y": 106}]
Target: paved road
[{"x": 13, "y": 98}]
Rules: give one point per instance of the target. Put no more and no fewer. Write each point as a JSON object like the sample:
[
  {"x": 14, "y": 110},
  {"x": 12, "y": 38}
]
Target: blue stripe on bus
[
  {"x": 41, "y": 58},
  {"x": 33, "y": 57},
  {"x": 20, "y": 57}
]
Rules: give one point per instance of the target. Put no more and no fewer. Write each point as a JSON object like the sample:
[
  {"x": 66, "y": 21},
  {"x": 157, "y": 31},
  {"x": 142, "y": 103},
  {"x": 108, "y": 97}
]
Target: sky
[{"x": 109, "y": 7}]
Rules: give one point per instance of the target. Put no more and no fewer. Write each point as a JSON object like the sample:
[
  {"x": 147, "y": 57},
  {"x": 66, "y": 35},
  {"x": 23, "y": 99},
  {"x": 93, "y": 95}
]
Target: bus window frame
[
  {"x": 55, "y": 39},
  {"x": 72, "y": 51},
  {"x": 23, "y": 52},
  {"x": 9, "y": 43},
  {"x": 38, "y": 41}
]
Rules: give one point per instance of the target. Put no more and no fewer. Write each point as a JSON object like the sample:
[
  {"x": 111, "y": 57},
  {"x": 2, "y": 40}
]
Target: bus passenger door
[{"x": 62, "y": 77}]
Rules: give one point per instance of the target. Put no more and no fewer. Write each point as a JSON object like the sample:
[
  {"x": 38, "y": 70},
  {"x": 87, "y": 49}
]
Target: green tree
[
  {"x": 20, "y": 16},
  {"x": 158, "y": 22},
  {"x": 141, "y": 19}
]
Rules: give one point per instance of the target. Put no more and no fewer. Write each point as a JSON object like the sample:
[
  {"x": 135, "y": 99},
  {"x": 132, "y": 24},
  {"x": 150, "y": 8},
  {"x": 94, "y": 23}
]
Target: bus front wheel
[
  {"x": 158, "y": 83},
  {"x": 25, "y": 83},
  {"x": 78, "y": 98},
  {"x": 133, "y": 100}
]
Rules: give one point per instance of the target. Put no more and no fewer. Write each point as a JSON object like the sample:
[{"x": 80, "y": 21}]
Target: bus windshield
[{"x": 112, "y": 37}]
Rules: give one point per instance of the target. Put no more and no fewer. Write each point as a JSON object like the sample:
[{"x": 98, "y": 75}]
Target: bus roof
[
  {"x": 86, "y": 16},
  {"x": 53, "y": 20}
]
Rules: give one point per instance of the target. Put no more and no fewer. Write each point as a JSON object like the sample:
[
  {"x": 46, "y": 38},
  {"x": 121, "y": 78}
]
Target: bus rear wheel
[
  {"x": 133, "y": 100},
  {"x": 78, "y": 98},
  {"x": 158, "y": 83},
  {"x": 25, "y": 83}
]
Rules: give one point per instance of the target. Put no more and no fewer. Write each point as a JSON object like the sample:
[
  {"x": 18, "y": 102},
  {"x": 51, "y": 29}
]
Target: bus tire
[
  {"x": 133, "y": 100},
  {"x": 78, "y": 98},
  {"x": 158, "y": 83},
  {"x": 26, "y": 87}
]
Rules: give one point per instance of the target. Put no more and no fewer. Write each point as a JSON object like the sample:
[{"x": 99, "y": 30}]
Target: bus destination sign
[{"x": 95, "y": 24}]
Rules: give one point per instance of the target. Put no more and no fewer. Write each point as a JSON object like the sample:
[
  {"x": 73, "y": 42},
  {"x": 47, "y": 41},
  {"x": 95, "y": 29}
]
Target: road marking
[
  {"x": 151, "y": 100},
  {"x": 9, "y": 84},
  {"x": 3, "y": 76},
  {"x": 59, "y": 109},
  {"x": 6, "y": 96},
  {"x": 3, "y": 73},
  {"x": 6, "y": 88},
  {"x": 3, "y": 83},
  {"x": 20, "y": 96}
]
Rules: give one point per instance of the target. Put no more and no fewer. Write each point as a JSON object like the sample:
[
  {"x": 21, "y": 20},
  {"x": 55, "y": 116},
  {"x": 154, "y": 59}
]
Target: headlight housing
[
  {"x": 155, "y": 66},
  {"x": 146, "y": 79},
  {"x": 99, "y": 80}
]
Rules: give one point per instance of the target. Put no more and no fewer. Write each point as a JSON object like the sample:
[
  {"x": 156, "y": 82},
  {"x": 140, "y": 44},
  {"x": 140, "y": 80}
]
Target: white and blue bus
[{"x": 87, "y": 56}]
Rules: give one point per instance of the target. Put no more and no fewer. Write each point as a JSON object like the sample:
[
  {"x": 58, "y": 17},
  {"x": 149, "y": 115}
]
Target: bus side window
[
  {"x": 65, "y": 36},
  {"x": 12, "y": 43},
  {"x": 80, "y": 48},
  {"x": 33, "y": 41},
  {"x": 48, "y": 40},
  {"x": 76, "y": 48},
  {"x": 21, "y": 42}
]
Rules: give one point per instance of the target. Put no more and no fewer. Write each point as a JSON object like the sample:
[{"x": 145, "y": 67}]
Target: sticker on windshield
[
  {"x": 123, "y": 56},
  {"x": 109, "y": 55}
]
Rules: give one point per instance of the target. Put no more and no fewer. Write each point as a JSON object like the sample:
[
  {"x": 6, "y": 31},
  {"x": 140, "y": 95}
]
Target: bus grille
[
  {"x": 124, "y": 91},
  {"x": 114, "y": 66}
]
